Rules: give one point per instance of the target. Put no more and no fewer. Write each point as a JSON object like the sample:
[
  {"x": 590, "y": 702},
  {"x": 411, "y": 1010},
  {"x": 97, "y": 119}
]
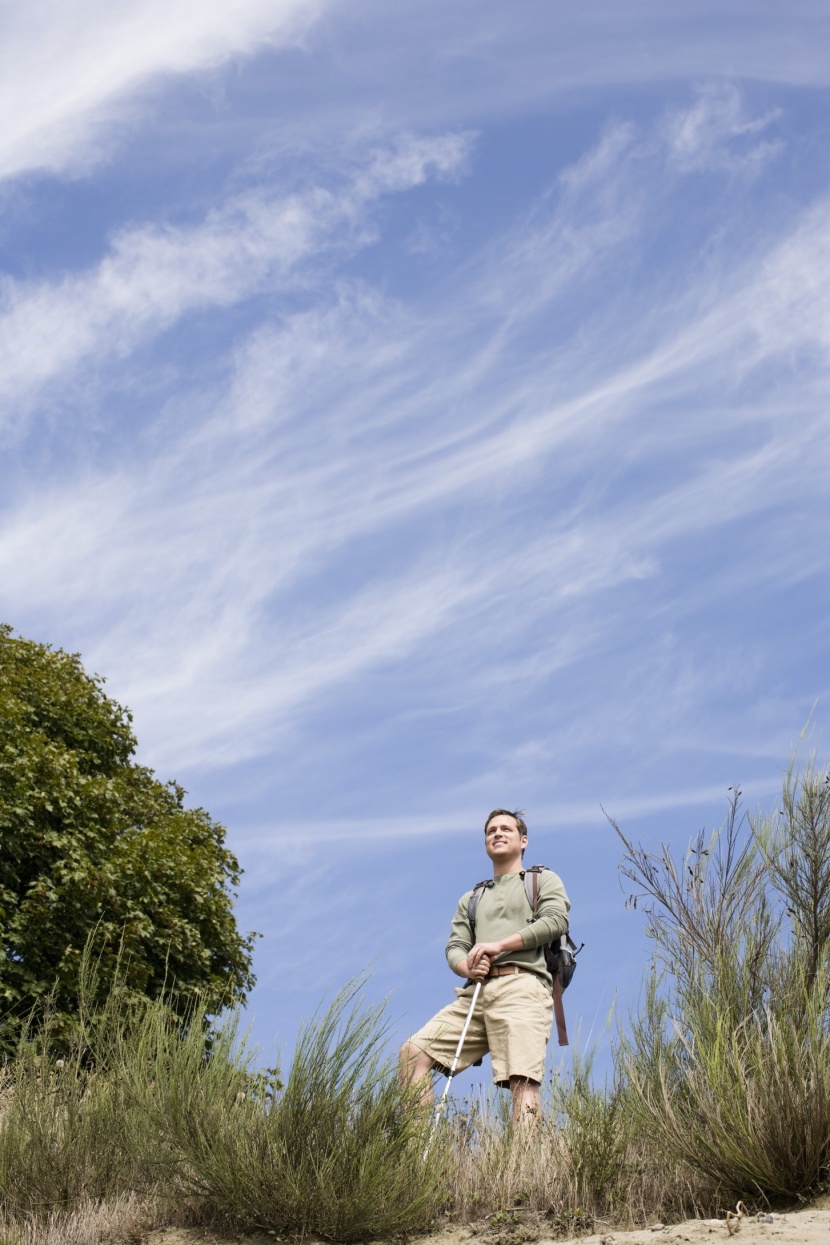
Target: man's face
[{"x": 502, "y": 838}]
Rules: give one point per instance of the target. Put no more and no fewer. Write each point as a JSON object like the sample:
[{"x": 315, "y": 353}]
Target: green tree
[{"x": 93, "y": 846}]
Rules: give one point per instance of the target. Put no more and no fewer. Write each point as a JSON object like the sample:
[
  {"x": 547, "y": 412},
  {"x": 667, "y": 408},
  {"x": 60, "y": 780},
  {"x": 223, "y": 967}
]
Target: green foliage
[
  {"x": 66, "y": 1136},
  {"x": 795, "y": 847},
  {"x": 748, "y": 1108},
  {"x": 335, "y": 1151},
  {"x": 144, "y": 1103},
  {"x": 70, "y": 1133},
  {"x": 92, "y": 844},
  {"x": 729, "y": 1058}
]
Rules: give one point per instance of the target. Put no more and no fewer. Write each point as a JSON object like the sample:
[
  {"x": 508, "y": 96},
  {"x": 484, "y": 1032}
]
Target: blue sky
[{"x": 416, "y": 409}]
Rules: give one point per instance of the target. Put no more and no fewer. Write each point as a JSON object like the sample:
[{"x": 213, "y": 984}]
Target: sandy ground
[{"x": 802, "y": 1227}]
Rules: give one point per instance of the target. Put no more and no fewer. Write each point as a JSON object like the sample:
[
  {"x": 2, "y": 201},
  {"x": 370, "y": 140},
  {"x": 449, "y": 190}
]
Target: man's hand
[
  {"x": 479, "y": 969},
  {"x": 480, "y": 952},
  {"x": 477, "y": 973},
  {"x": 481, "y": 956}
]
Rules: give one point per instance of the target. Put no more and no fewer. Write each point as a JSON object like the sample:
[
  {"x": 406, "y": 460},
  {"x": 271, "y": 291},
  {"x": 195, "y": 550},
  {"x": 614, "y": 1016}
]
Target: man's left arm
[
  {"x": 550, "y": 922},
  {"x": 552, "y": 910}
]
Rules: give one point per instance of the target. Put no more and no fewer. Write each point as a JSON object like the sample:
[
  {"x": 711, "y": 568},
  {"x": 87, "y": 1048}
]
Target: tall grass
[
  {"x": 67, "y": 1133},
  {"x": 728, "y": 1060},
  {"x": 750, "y": 1107},
  {"x": 146, "y": 1112},
  {"x": 334, "y": 1150},
  {"x": 177, "y": 1113},
  {"x": 126, "y": 1218},
  {"x": 585, "y": 1163}
]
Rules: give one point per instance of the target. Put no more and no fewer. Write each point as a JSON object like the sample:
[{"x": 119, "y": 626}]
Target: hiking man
[{"x": 512, "y": 1019}]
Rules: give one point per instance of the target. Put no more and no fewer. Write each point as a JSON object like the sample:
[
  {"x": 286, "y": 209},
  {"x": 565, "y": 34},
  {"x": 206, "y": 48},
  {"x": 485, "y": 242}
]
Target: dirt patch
[
  {"x": 803, "y": 1227},
  {"x": 201, "y": 1236}
]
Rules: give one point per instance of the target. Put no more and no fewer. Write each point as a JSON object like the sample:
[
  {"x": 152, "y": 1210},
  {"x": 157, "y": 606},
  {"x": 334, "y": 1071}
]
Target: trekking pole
[{"x": 440, "y": 1104}]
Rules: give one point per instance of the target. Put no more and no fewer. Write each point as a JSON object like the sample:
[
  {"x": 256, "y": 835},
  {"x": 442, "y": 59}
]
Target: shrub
[
  {"x": 729, "y": 1060},
  {"x": 144, "y": 1103},
  {"x": 335, "y": 1150}
]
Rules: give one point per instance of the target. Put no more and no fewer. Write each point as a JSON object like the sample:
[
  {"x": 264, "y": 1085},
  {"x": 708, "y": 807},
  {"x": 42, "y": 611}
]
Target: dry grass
[
  {"x": 120, "y": 1220},
  {"x": 583, "y": 1165}
]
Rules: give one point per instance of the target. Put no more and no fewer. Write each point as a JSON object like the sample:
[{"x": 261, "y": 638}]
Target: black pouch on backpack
[{"x": 561, "y": 961}]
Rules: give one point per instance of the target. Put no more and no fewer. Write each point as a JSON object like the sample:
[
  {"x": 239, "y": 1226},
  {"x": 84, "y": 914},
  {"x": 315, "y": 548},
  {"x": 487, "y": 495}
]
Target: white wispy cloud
[
  {"x": 68, "y": 70},
  {"x": 267, "y": 844},
  {"x": 482, "y": 61},
  {"x": 154, "y": 275},
  {"x": 717, "y": 133},
  {"x": 334, "y": 432}
]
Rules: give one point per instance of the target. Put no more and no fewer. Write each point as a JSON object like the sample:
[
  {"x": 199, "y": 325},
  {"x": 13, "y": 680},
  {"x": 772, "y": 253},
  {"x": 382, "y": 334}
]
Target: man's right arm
[
  {"x": 461, "y": 942},
  {"x": 482, "y": 968}
]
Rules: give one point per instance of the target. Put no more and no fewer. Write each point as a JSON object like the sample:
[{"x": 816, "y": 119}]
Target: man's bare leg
[
  {"x": 527, "y": 1104},
  {"x": 415, "y": 1066}
]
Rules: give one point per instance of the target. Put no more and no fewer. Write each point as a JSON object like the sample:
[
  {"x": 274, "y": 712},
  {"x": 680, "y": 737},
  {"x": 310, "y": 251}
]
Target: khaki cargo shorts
[{"x": 512, "y": 1020}]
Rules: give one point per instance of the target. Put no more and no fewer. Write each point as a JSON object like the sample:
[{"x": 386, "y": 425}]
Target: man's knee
[
  {"x": 409, "y": 1052},
  {"x": 414, "y": 1061},
  {"x": 524, "y": 1082}
]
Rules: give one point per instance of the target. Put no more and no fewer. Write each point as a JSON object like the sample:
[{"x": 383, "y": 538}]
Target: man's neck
[{"x": 507, "y": 866}]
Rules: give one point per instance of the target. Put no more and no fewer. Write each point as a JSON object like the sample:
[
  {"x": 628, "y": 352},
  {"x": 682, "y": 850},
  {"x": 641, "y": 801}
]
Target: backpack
[{"x": 560, "y": 956}]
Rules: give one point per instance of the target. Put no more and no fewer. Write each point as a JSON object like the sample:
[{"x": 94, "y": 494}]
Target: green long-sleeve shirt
[{"x": 503, "y": 909}]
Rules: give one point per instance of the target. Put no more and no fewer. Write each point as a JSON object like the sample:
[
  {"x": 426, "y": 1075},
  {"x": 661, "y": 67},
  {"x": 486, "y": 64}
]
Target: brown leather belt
[{"x": 507, "y": 970}]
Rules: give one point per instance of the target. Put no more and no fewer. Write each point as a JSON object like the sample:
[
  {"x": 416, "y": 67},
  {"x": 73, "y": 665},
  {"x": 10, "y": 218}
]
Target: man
[{"x": 512, "y": 1018}]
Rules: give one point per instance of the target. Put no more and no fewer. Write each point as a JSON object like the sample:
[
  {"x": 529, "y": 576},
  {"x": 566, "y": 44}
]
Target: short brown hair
[{"x": 516, "y": 813}]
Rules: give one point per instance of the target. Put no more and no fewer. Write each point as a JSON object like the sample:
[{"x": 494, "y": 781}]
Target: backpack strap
[
  {"x": 559, "y": 1012},
  {"x": 472, "y": 902},
  {"x": 531, "y": 881}
]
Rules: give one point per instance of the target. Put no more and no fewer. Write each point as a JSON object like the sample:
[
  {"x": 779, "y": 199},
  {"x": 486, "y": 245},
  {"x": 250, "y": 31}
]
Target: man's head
[{"x": 505, "y": 834}]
